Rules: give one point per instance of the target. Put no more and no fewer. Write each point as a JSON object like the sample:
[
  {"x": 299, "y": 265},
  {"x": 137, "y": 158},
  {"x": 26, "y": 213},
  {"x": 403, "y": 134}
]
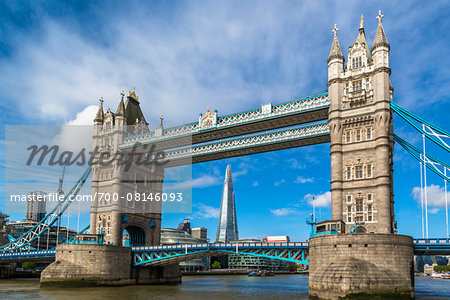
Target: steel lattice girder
[
  {"x": 159, "y": 257},
  {"x": 295, "y": 112}
]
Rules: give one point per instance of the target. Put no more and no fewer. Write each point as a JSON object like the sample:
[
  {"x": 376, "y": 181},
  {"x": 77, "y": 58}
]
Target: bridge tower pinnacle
[{"x": 361, "y": 132}]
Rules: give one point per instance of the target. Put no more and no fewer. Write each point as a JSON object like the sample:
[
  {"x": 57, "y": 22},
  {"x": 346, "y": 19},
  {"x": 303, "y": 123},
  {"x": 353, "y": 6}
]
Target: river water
[{"x": 201, "y": 287}]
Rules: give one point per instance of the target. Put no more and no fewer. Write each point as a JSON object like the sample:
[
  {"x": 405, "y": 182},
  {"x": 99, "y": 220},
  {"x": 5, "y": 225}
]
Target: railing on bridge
[
  {"x": 266, "y": 112},
  {"x": 294, "y": 252},
  {"x": 11, "y": 256},
  {"x": 437, "y": 246},
  {"x": 165, "y": 254},
  {"x": 280, "y": 139}
]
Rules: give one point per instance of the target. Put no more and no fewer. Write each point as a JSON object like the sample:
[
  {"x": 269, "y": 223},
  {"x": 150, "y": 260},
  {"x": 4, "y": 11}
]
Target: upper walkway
[{"x": 268, "y": 117}]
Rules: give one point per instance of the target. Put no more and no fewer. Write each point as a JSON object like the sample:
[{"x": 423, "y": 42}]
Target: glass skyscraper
[{"x": 227, "y": 230}]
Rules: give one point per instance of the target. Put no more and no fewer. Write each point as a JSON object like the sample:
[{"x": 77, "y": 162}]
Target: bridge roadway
[
  {"x": 160, "y": 255},
  {"x": 268, "y": 117}
]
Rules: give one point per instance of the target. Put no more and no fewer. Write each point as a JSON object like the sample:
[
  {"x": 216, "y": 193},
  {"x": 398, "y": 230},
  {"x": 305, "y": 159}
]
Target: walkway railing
[
  {"x": 266, "y": 112},
  {"x": 160, "y": 255}
]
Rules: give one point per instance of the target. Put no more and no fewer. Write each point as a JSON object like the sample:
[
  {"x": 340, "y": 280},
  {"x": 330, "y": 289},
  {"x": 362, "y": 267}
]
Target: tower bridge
[{"x": 358, "y": 109}]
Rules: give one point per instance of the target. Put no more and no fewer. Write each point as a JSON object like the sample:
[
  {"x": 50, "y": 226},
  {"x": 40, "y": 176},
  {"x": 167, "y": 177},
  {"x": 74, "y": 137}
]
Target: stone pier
[
  {"x": 102, "y": 265},
  {"x": 352, "y": 265}
]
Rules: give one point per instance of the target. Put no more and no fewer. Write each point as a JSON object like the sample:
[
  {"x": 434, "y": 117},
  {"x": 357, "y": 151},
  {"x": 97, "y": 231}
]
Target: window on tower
[
  {"x": 358, "y": 172},
  {"x": 349, "y": 173},
  {"x": 356, "y": 62},
  {"x": 357, "y": 86},
  {"x": 348, "y": 138},
  {"x": 369, "y": 171},
  {"x": 369, "y": 134},
  {"x": 358, "y": 135},
  {"x": 359, "y": 205}
]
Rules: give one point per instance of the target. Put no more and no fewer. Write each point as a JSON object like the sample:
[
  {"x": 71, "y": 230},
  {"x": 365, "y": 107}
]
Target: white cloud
[
  {"x": 240, "y": 173},
  {"x": 85, "y": 117},
  {"x": 282, "y": 211},
  {"x": 77, "y": 133},
  {"x": 435, "y": 195},
  {"x": 294, "y": 164},
  {"x": 433, "y": 210},
  {"x": 255, "y": 183},
  {"x": 206, "y": 212},
  {"x": 207, "y": 57},
  {"x": 200, "y": 182},
  {"x": 278, "y": 183},
  {"x": 300, "y": 179},
  {"x": 320, "y": 200}
]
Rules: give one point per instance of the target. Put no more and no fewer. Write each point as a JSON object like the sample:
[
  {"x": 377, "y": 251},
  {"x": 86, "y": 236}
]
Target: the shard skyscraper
[{"x": 227, "y": 230}]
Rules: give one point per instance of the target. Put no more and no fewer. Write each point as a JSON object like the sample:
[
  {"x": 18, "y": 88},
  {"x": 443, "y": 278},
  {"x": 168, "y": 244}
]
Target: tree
[
  {"x": 442, "y": 268},
  {"x": 215, "y": 265},
  {"x": 28, "y": 265}
]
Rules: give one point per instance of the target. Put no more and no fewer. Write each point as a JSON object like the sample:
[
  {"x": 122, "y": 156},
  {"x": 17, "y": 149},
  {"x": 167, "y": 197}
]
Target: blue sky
[{"x": 57, "y": 59}]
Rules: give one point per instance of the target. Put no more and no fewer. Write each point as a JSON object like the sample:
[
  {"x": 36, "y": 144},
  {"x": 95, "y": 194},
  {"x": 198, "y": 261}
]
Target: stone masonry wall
[
  {"x": 89, "y": 265},
  {"x": 347, "y": 264}
]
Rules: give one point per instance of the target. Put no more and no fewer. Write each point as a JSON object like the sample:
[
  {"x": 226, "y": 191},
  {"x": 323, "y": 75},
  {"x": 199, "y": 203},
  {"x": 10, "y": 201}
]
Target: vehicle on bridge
[{"x": 277, "y": 239}]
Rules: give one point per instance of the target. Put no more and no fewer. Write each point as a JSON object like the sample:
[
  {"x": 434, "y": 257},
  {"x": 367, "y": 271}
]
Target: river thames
[{"x": 202, "y": 287}]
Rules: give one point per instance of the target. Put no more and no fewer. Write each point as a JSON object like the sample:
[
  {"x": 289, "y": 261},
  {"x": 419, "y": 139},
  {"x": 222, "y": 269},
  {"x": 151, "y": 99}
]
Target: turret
[
  {"x": 99, "y": 117},
  {"x": 121, "y": 115},
  {"x": 380, "y": 47},
  {"x": 335, "y": 59},
  {"x": 100, "y": 114},
  {"x": 335, "y": 72}
]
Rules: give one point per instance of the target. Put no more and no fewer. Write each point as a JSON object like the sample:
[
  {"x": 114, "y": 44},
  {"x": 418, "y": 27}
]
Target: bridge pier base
[
  {"x": 102, "y": 265},
  {"x": 361, "y": 265}
]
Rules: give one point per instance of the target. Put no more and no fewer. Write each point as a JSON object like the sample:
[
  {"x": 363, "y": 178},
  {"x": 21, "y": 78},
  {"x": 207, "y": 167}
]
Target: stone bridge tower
[
  {"x": 361, "y": 130},
  {"x": 115, "y": 206},
  {"x": 374, "y": 260}
]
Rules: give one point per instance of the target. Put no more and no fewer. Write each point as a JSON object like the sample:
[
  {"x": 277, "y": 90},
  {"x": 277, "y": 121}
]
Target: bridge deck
[
  {"x": 158, "y": 255},
  {"x": 296, "y": 112}
]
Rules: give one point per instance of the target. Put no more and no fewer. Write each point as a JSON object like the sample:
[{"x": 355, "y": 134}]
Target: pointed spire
[
  {"x": 227, "y": 229},
  {"x": 380, "y": 36},
  {"x": 228, "y": 173},
  {"x": 100, "y": 114},
  {"x": 361, "y": 40},
  {"x": 335, "y": 51},
  {"x": 121, "y": 108}
]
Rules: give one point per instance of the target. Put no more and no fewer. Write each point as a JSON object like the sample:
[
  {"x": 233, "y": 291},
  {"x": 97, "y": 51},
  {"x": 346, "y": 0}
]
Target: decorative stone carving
[
  {"x": 266, "y": 108},
  {"x": 208, "y": 120}
]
